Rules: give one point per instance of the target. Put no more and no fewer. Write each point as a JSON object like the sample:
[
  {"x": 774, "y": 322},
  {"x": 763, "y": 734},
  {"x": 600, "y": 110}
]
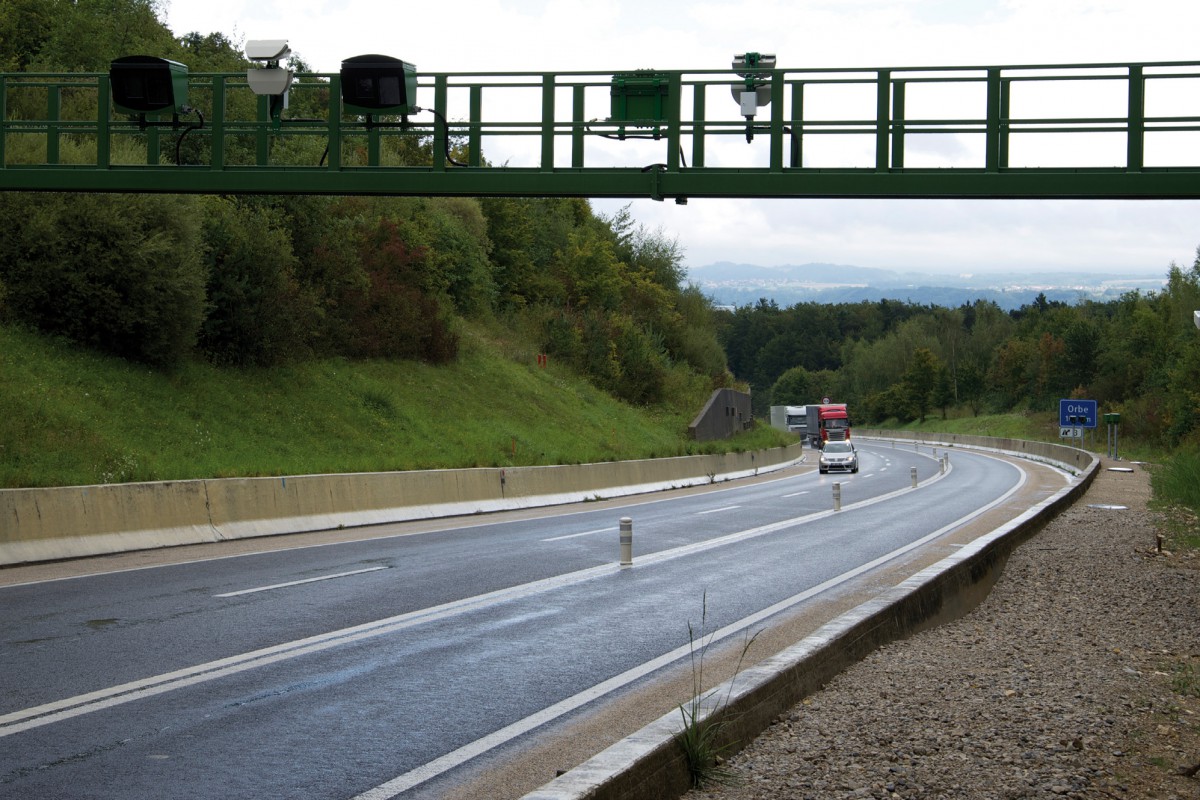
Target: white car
[{"x": 838, "y": 456}]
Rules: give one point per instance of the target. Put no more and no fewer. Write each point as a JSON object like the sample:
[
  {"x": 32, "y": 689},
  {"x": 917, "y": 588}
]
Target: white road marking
[
  {"x": 795, "y": 494},
  {"x": 717, "y": 510},
  {"x": 297, "y": 583},
  {"x": 455, "y": 758},
  {"x": 609, "y": 529},
  {"x": 67, "y": 708}
]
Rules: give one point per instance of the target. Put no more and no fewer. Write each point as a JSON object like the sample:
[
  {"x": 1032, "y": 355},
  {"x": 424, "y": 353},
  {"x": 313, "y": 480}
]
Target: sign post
[
  {"x": 1113, "y": 421},
  {"x": 1074, "y": 416}
]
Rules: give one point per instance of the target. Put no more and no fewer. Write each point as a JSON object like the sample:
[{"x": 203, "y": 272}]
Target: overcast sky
[{"x": 618, "y": 35}]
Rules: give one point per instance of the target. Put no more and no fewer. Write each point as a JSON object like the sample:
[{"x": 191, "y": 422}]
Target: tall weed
[{"x": 1178, "y": 480}]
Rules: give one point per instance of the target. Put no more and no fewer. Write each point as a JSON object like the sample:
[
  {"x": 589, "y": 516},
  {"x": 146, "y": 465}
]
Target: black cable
[
  {"x": 622, "y": 136},
  {"x": 187, "y": 130},
  {"x": 446, "y": 134}
]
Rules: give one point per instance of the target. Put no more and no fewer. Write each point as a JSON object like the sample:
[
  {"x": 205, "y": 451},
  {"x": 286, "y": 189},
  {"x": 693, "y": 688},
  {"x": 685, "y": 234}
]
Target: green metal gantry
[{"x": 753, "y": 130}]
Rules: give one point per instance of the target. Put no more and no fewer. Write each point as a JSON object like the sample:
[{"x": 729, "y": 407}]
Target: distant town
[{"x": 732, "y": 284}]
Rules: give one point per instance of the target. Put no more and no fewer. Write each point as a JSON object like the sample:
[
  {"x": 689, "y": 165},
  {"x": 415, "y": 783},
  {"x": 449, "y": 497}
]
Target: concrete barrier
[
  {"x": 650, "y": 764},
  {"x": 1068, "y": 458},
  {"x": 75, "y": 521}
]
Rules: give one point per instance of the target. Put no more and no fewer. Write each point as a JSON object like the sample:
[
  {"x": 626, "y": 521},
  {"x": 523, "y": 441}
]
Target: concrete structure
[
  {"x": 726, "y": 412},
  {"x": 70, "y": 522}
]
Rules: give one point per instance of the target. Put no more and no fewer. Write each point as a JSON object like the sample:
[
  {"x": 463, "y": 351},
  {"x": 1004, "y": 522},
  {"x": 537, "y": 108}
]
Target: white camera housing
[
  {"x": 267, "y": 49},
  {"x": 272, "y": 80},
  {"x": 755, "y": 92}
]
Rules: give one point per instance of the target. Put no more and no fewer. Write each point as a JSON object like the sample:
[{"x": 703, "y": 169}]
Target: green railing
[{"x": 1085, "y": 131}]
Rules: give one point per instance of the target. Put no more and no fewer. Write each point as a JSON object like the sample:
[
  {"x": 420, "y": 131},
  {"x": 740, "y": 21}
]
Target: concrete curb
[
  {"x": 76, "y": 521},
  {"x": 649, "y": 765}
]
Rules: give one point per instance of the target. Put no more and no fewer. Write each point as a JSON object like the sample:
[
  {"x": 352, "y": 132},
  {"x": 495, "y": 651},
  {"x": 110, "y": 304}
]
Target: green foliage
[
  {"x": 391, "y": 316},
  {"x": 920, "y": 381},
  {"x": 794, "y": 387},
  {"x": 25, "y": 26},
  {"x": 1177, "y": 481},
  {"x": 69, "y": 416},
  {"x": 457, "y": 232},
  {"x": 763, "y": 341},
  {"x": 121, "y": 273},
  {"x": 258, "y": 313},
  {"x": 83, "y": 35},
  {"x": 704, "y": 737}
]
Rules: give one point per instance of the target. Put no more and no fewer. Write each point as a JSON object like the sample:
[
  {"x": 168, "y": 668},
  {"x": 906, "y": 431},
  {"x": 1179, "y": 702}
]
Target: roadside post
[
  {"x": 626, "y": 541},
  {"x": 1113, "y": 421}
]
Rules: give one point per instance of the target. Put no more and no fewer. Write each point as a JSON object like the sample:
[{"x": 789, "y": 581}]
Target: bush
[
  {"x": 391, "y": 317},
  {"x": 258, "y": 314},
  {"x": 121, "y": 273}
]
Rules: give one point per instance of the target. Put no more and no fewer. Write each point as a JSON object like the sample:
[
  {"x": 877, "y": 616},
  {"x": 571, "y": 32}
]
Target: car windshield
[{"x": 837, "y": 447}]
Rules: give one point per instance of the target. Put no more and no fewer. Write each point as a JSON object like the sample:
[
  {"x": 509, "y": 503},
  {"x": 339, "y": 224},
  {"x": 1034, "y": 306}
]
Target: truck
[
  {"x": 790, "y": 419},
  {"x": 827, "y": 422}
]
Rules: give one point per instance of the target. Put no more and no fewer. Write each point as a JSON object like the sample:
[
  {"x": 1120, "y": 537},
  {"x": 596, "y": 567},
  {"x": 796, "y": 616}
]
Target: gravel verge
[{"x": 1077, "y": 677}]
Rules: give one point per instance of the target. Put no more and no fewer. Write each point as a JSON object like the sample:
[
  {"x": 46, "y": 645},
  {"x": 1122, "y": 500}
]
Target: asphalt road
[{"x": 386, "y": 667}]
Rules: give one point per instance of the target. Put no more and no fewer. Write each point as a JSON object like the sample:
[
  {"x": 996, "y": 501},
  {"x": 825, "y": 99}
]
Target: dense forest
[
  {"x": 1138, "y": 355},
  {"x": 262, "y": 281}
]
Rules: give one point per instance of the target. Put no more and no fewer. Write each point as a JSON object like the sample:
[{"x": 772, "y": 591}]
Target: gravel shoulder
[{"x": 1077, "y": 677}]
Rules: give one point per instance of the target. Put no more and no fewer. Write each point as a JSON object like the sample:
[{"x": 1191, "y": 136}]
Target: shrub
[
  {"x": 121, "y": 273},
  {"x": 258, "y": 314}
]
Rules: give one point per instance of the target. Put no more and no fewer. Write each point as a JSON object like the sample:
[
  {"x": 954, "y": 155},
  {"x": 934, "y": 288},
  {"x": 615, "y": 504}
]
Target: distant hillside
[{"x": 745, "y": 284}]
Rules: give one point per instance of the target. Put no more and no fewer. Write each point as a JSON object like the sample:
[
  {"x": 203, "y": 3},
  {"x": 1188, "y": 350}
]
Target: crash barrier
[
  {"x": 70, "y": 522},
  {"x": 1071, "y": 459},
  {"x": 650, "y": 764}
]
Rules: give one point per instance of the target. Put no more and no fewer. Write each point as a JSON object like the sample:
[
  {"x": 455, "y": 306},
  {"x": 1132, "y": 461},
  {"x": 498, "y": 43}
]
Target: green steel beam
[
  {"x": 1136, "y": 141},
  {"x": 692, "y": 113},
  {"x": 632, "y": 183}
]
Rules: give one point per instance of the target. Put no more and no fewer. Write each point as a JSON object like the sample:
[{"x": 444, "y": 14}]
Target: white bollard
[
  {"x": 626, "y": 542},
  {"x": 913, "y": 471},
  {"x": 942, "y": 463},
  {"x": 837, "y": 497}
]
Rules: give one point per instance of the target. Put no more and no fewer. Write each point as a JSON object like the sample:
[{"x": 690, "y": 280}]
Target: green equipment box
[{"x": 639, "y": 96}]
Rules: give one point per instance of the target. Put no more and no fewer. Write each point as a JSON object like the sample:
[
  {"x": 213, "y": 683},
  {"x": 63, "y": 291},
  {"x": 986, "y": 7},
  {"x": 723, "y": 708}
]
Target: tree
[
  {"x": 86, "y": 35},
  {"x": 25, "y": 25},
  {"x": 794, "y": 388},
  {"x": 920, "y": 381}
]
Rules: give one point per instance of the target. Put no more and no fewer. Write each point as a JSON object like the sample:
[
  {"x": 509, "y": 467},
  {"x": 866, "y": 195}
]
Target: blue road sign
[{"x": 1077, "y": 413}]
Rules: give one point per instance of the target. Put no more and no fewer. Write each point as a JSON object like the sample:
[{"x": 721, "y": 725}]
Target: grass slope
[{"x": 73, "y": 417}]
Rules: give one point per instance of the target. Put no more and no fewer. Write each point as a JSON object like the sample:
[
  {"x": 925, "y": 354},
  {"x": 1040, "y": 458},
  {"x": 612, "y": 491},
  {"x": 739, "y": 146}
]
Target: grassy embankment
[{"x": 73, "y": 417}]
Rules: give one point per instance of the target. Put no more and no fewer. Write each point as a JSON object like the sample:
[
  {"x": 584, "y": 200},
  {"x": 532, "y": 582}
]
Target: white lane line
[
  {"x": 297, "y": 583},
  {"x": 795, "y": 494},
  {"x": 717, "y": 510},
  {"x": 67, "y": 708},
  {"x": 610, "y": 529},
  {"x": 34, "y": 717},
  {"x": 455, "y": 758}
]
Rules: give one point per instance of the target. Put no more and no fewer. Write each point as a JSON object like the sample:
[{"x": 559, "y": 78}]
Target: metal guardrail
[{"x": 1081, "y": 131}]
